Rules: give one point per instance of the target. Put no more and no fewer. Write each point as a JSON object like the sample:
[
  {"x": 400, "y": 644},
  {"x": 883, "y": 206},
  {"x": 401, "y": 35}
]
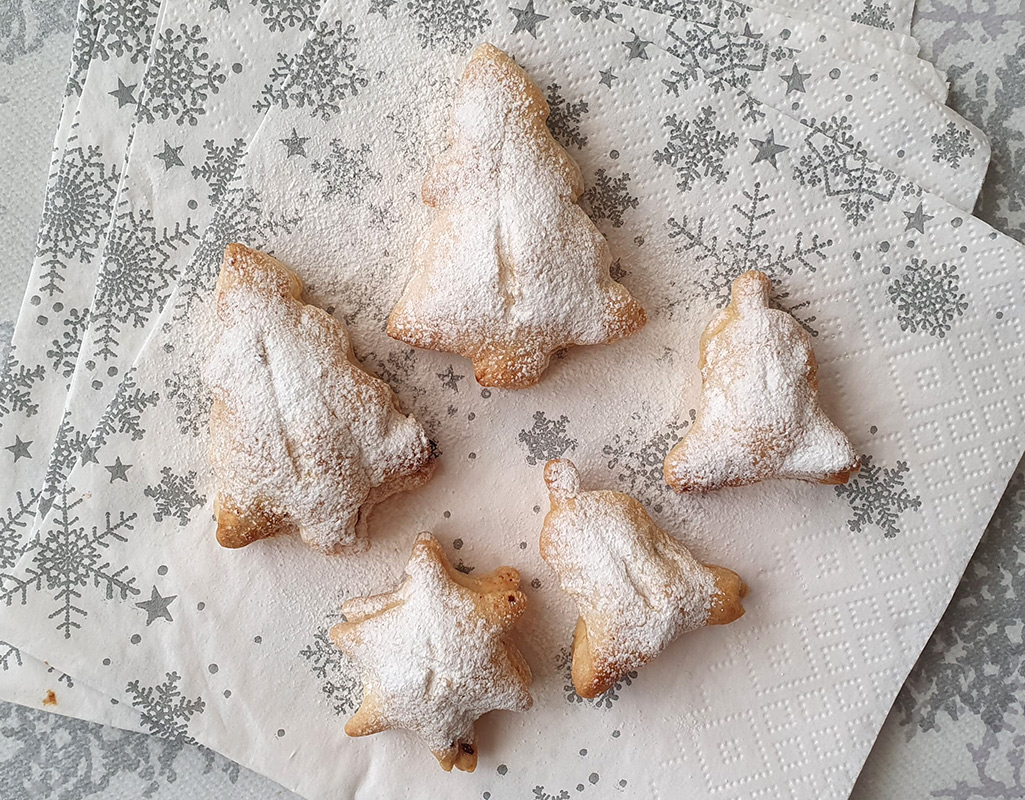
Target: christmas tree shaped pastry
[
  {"x": 759, "y": 415},
  {"x": 636, "y": 587},
  {"x": 511, "y": 269},
  {"x": 301, "y": 439},
  {"x": 435, "y": 654}
]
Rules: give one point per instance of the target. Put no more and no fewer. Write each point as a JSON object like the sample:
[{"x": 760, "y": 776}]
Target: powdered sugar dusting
[
  {"x": 759, "y": 415},
  {"x": 511, "y": 267},
  {"x": 434, "y": 654},
  {"x": 637, "y": 588},
  {"x": 298, "y": 432}
]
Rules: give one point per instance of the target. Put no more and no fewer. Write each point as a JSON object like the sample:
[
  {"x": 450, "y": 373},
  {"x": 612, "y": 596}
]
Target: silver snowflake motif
[
  {"x": 696, "y": 148},
  {"x": 998, "y": 760},
  {"x": 191, "y": 400},
  {"x": 339, "y": 680},
  {"x": 608, "y": 197},
  {"x": 878, "y": 16},
  {"x": 540, "y": 793},
  {"x": 381, "y": 7},
  {"x": 952, "y": 145},
  {"x": 219, "y": 166},
  {"x": 10, "y": 656},
  {"x": 320, "y": 77},
  {"x": 175, "y": 496},
  {"x": 239, "y": 217},
  {"x": 67, "y": 559},
  {"x": 63, "y": 351},
  {"x": 95, "y": 757},
  {"x": 840, "y": 166},
  {"x": 125, "y": 29},
  {"x": 345, "y": 172},
  {"x": 721, "y": 58},
  {"x": 973, "y": 663},
  {"x": 75, "y": 215},
  {"x": 12, "y": 526},
  {"x": 878, "y": 496},
  {"x": 398, "y": 368},
  {"x": 451, "y": 25},
  {"x": 637, "y": 457},
  {"x": 16, "y": 382},
  {"x": 564, "y": 663},
  {"x": 123, "y": 416},
  {"x": 180, "y": 77},
  {"x": 26, "y": 25},
  {"x": 67, "y": 448},
  {"x": 281, "y": 14},
  {"x": 927, "y": 297},
  {"x": 546, "y": 439},
  {"x": 565, "y": 118},
  {"x": 597, "y": 9},
  {"x": 137, "y": 275},
  {"x": 746, "y": 249},
  {"x": 166, "y": 712}
]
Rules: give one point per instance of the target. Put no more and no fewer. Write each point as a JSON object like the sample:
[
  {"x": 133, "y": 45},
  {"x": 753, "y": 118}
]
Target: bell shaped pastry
[
  {"x": 301, "y": 439},
  {"x": 435, "y": 654},
  {"x": 511, "y": 269},
  {"x": 759, "y": 416},
  {"x": 636, "y": 587}
]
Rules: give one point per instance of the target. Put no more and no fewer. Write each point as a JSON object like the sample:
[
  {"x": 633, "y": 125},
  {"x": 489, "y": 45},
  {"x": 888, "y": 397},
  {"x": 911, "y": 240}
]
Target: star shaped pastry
[
  {"x": 636, "y": 587},
  {"x": 434, "y": 654}
]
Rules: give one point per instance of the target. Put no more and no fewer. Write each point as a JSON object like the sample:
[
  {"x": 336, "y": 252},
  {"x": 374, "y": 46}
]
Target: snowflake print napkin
[
  {"x": 89, "y": 150},
  {"x": 916, "y": 314},
  {"x": 881, "y": 115},
  {"x": 118, "y": 227}
]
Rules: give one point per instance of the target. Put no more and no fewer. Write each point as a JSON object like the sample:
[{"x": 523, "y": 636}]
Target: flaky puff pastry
[
  {"x": 435, "y": 654},
  {"x": 511, "y": 269},
  {"x": 636, "y": 587},
  {"x": 759, "y": 415},
  {"x": 301, "y": 439}
]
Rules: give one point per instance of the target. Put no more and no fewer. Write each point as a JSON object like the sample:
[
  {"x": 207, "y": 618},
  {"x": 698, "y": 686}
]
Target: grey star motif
[
  {"x": 170, "y": 156},
  {"x": 118, "y": 471},
  {"x": 449, "y": 379},
  {"x": 19, "y": 448},
  {"x": 768, "y": 149},
  {"x": 527, "y": 18},
  {"x": 124, "y": 94},
  {"x": 636, "y": 47},
  {"x": 917, "y": 219},
  {"x": 89, "y": 455},
  {"x": 295, "y": 144},
  {"x": 607, "y": 77},
  {"x": 156, "y": 607},
  {"x": 795, "y": 80}
]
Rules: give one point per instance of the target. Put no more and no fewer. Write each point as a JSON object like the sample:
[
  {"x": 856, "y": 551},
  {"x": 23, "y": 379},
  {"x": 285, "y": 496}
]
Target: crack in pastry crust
[{"x": 301, "y": 439}]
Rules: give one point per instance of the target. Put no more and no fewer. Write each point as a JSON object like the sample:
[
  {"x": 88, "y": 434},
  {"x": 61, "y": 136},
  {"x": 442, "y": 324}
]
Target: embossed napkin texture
[
  {"x": 124, "y": 212},
  {"x": 916, "y": 313},
  {"x": 111, "y": 45},
  {"x": 194, "y": 105}
]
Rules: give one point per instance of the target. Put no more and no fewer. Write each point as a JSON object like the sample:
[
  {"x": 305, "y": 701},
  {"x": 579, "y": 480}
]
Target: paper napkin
[{"x": 916, "y": 311}]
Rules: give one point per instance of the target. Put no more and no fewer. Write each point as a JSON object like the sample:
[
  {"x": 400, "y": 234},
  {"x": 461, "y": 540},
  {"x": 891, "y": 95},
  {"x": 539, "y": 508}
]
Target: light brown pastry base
[{"x": 593, "y": 676}]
